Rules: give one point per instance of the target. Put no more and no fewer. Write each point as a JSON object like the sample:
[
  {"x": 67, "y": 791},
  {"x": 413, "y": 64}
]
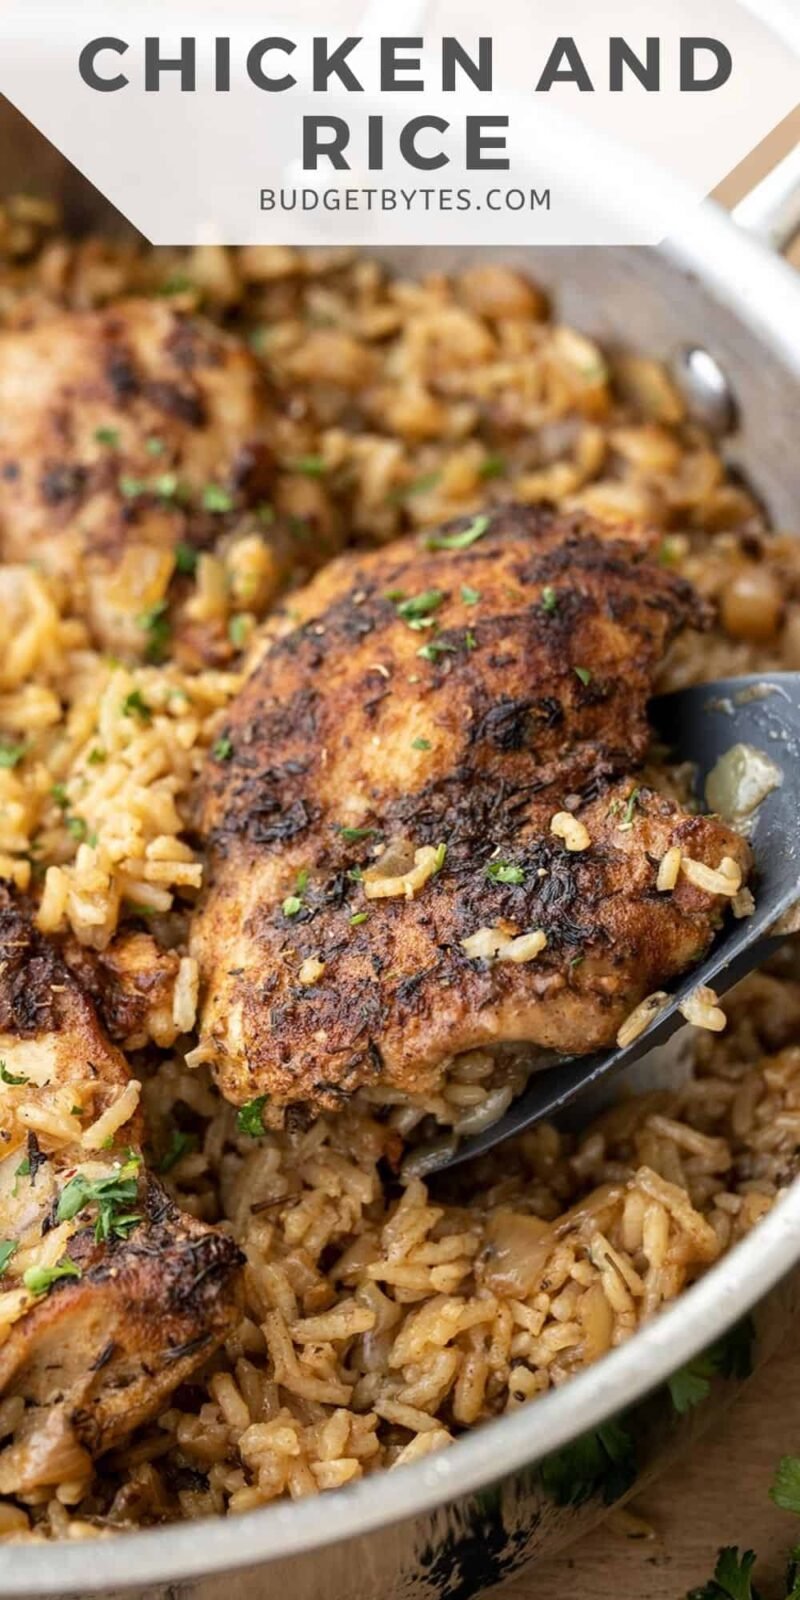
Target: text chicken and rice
[{"x": 298, "y": 875}]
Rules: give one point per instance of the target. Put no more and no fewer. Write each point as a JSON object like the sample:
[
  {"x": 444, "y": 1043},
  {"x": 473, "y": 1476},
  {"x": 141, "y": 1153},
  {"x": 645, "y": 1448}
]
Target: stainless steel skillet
[{"x": 463, "y": 1520}]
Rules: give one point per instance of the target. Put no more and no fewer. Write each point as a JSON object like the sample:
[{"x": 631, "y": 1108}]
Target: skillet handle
[{"x": 771, "y": 211}]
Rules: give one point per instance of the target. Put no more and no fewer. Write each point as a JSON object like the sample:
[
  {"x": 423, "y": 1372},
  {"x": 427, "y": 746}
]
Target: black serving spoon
[{"x": 698, "y": 725}]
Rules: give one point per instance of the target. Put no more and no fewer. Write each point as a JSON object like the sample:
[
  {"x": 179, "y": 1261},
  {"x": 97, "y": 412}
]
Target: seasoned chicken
[
  {"x": 109, "y": 1296},
  {"x": 424, "y": 830},
  {"x": 125, "y": 434}
]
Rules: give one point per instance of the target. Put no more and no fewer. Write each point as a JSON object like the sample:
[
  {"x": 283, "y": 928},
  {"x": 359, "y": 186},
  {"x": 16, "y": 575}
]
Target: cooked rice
[{"x": 381, "y": 1319}]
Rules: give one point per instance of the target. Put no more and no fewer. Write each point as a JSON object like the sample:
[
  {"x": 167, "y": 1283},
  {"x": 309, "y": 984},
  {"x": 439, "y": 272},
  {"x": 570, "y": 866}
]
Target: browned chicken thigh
[
  {"x": 126, "y": 435},
  {"x": 424, "y": 827},
  {"x": 109, "y": 1296}
]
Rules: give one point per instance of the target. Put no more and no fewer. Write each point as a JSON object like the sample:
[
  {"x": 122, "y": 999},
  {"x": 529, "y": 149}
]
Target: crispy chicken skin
[
  {"x": 113, "y": 424},
  {"x": 346, "y": 743},
  {"x": 95, "y": 1353}
]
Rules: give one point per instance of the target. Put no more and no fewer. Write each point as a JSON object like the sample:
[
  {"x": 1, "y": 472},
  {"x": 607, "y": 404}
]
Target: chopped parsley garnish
[
  {"x": 785, "y": 1489},
  {"x": 24, "y": 1168},
  {"x": 358, "y": 918},
  {"x": 460, "y": 541},
  {"x": 137, "y": 910},
  {"x": 167, "y": 486},
  {"x": 435, "y": 648},
  {"x": 250, "y": 1118},
  {"x": 155, "y": 623},
  {"x": 669, "y": 552},
  {"x": 309, "y": 466},
  {"x": 440, "y": 857},
  {"x": 109, "y": 436},
  {"x": 470, "y": 596},
  {"x": 237, "y": 631},
  {"x": 178, "y": 283},
  {"x": 181, "y": 1144},
  {"x": 113, "y": 1196},
  {"x": 549, "y": 600},
  {"x": 8, "y": 1077},
  {"x": 131, "y": 488},
  {"x": 504, "y": 872},
  {"x": 301, "y": 881},
  {"x": 8, "y": 1248},
  {"x": 470, "y": 642},
  {"x": 11, "y": 754},
  {"x": 78, "y": 827},
  {"x": 732, "y": 1578},
  {"x": 96, "y": 756},
  {"x": 39, "y": 1280},
  {"x": 493, "y": 467},
  {"x": 584, "y": 674},
  {"x": 418, "y": 611},
  {"x": 421, "y": 485},
  {"x": 730, "y": 1357},
  {"x": 600, "y": 1463},
  {"x": 292, "y": 905},
  {"x": 59, "y": 794},
  {"x": 633, "y": 801},
  {"x": 186, "y": 558},
  {"x": 223, "y": 749},
  {"x": 420, "y": 744},
  {"x": 354, "y": 874},
  {"x": 155, "y": 447},
  {"x": 355, "y": 835},
  {"x": 134, "y": 705},
  {"x": 217, "y": 499}
]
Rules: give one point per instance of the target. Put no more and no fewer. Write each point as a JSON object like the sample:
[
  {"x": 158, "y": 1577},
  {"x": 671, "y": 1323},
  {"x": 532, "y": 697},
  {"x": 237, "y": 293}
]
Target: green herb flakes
[
  {"x": 131, "y": 488},
  {"x": 549, "y": 600},
  {"x": 186, "y": 559},
  {"x": 113, "y": 1196},
  {"x": 504, "y": 872},
  {"x": 418, "y": 611},
  {"x": 155, "y": 623},
  {"x": 421, "y": 744},
  {"x": 217, "y": 499},
  {"x": 420, "y": 485},
  {"x": 584, "y": 674},
  {"x": 40, "y": 1280},
  {"x": 11, "y": 754},
  {"x": 470, "y": 596},
  {"x": 250, "y": 1118},
  {"x": 181, "y": 1144},
  {"x": 435, "y": 648},
  {"x": 107, "y": 436},
  {"x": 134, "y": 705},
  {"x": 223, "y": 749},
  {"x": 493, "y": 467},
  {"x": 9, "y": 1078},
  {"x": 358, "y": 918},
  {"x": 292, "y": 905},
  {"x": 462, "y": 540},
  {"x": 632, "y": 802},
  {"x": 8, "y": 1248},
  {"x": 238, "y": 629}
]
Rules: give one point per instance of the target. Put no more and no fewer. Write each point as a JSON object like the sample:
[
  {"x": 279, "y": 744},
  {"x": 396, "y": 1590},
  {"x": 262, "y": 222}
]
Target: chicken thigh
[
  {"x": 424, "y": 824},
  {"x": 109, "y": 1296},
  {"x": 126, "y": 434}
]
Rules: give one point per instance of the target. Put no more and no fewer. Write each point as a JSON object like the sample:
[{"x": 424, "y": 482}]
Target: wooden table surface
[{"x": 718, "y": 1494}]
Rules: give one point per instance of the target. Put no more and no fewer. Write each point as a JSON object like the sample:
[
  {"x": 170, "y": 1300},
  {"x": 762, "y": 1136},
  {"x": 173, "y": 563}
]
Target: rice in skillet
[{"x": 379, "y": 1321}]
